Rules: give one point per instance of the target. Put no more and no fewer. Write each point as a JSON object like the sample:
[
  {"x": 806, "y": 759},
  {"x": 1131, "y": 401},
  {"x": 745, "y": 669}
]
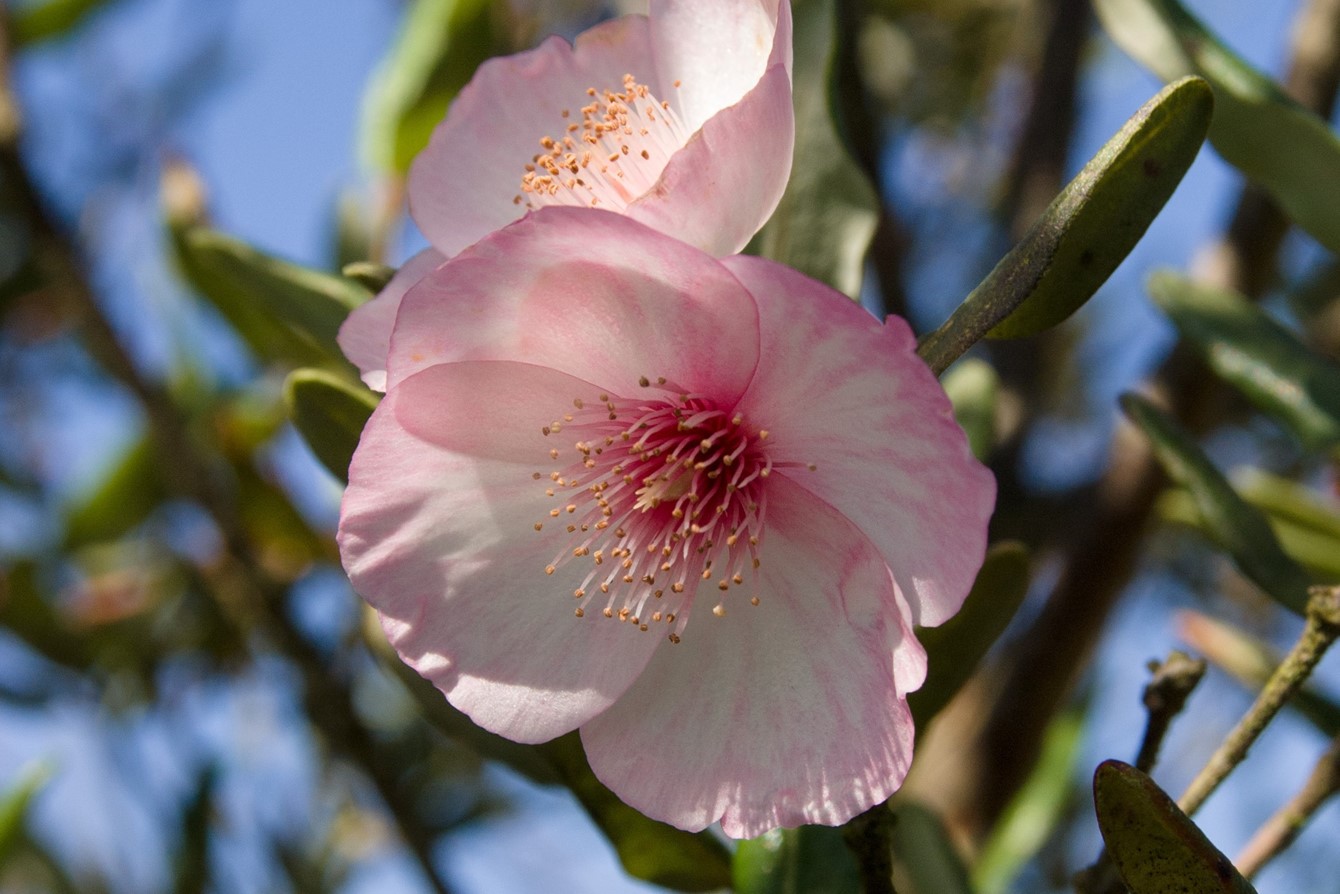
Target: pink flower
[
  {"x": 681, "y": 119},
  {"x": 691, "y": 506}
]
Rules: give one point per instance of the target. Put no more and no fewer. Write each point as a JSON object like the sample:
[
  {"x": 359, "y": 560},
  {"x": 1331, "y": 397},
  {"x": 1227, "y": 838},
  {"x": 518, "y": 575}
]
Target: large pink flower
[
  {"x": 691, "y": 506},
  {"x": 681, "y": 119}
]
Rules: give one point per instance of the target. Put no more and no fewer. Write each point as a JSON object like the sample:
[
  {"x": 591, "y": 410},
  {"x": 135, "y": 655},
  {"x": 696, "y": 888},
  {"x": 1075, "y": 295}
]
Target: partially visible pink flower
[
  {"x": 691, "y": 506},
  {"x": 681, "y": 119}
]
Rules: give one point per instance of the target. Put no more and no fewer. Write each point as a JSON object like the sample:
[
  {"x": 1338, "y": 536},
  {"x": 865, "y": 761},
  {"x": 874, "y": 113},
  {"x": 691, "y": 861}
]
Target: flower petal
[
  {"x": 437, "y": 533},
  {"x": 743, "y": 152},
  {"x": 849, "y": 395},
  {"x": 590, "y": 293},
  {"x": 462, "y": 186},
  {"x": 716, "y": 50},
  {"x": 365, "y": 336},
  {"x": 775, "y": 715}
]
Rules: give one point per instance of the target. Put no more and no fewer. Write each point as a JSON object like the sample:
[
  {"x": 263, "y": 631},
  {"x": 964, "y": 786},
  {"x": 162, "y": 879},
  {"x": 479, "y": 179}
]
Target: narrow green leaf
[
  {"x": 972, "y": 385},
  {"x": 956, "y": 647},
  {"x": 925, "y": 859},
  {"x": 49, "y": 20},
  {"x": 330, "y": 414},
  {"x": 1087, "y": 231},
  {"x": 1154, "y": 846},
  {"x": 1308, "y": 530},
  {"x": 14, "y": 806},
  {"x": 1035, "y": 810},
  {"x": 827, "y": 216},
  {"x": 1259, "y": 130},
  {"x": 285, "y": 312},
  {"x": 369, "y": 275},
  {"x": 1256, "y": 355},
  {"x": 129, "y": 490},
  {"x": 1239, "y": 528},
  {"x": 807, "y": 860},
  {"x": 649, "y": 850},
  {"x": 440, "y": 45}
]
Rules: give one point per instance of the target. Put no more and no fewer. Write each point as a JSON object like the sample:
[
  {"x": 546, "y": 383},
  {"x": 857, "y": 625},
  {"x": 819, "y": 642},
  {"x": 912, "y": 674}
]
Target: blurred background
[{"x": 190, "y": 699}]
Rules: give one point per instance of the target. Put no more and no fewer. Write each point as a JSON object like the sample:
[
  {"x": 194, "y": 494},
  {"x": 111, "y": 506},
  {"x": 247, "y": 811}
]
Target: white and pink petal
[
  {"x": 849, "y": 395},
  {"x": 437, "y": 532},
  {"x": 779, "y": 714},
  {"x": 365, "y": 336}
]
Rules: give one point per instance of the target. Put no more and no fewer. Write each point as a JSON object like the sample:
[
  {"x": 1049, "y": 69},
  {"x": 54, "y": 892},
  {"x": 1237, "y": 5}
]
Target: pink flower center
[
  {"x": 663, "y": 494},
  {"x": 612, "y": 157}
]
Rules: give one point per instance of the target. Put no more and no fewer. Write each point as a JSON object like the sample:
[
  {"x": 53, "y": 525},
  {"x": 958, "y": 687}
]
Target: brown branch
[{"x": 1289, "y": 821}]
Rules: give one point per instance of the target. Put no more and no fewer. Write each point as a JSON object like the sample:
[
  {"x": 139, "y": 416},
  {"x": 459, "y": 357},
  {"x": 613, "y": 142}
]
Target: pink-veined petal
[
  {"x": 848, "y": 394},
  {"x": 462, "y": 185},
  {"x": 437, "y": 533},
  {"x": 716, "y": 50},
  {"x": 590, "y": 293},
  {"x": 775, "y": 715},
  {"x": 744, "y": 153},
  {"x": 365, "y": 336}
]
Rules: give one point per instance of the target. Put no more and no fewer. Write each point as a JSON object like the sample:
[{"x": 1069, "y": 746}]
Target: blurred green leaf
[
  {"x": 925, "y": 860},
  {"x": 441, "y": 43},
  {"x": 649, "y": 850},
  {"x": 129, "y": 490},
  {"x": 1154, "y": 846},
  {"x": 827, "y": 216},
  {"x": 369, "y": 275},
  {"x": 1251, "y": 662},
  {"x": 1235, "y": 525},
  {"x": 1259, "y": 130},
  {"x": 1032, "y": 815},
  {"x": 1256, "y": 355},
  {"x": 1308, "y": 530},
  {"x": 284, "y": 312},
  {"x": 14, "y": 806},
  {"x": 1087, "y": 230},
  {"x": 972, "y": 386},
  {"x": 191, "y": 873},
  {"x": 956, "y": 647},
  {"x": 330, "y": 414},
  {"x": 52, "y": 19},
  {"x": 807, "y": 860}
]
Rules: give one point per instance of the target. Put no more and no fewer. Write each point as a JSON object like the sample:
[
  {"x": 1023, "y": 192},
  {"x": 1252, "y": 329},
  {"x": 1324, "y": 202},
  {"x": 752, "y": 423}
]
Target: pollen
[{"x": 615, "y": 154}]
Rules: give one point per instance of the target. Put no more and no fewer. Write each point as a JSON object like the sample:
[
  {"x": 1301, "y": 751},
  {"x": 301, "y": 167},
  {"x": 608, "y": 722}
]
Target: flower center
[
  {"x": 614, "y": 155},
  {"x": 664, "y": 493}
]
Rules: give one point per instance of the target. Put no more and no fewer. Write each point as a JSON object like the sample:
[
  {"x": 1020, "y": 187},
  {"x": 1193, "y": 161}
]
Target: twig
[
  {"x": 1322, "y": 628},
  {"x": 1281, "y": 829},
  {"x": 1173, "y": 680}
]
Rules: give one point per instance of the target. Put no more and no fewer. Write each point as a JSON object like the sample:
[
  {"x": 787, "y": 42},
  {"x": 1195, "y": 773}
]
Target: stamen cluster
[
  {"x": 615, "y": 154},
  {"x": 665, "y": 494}
]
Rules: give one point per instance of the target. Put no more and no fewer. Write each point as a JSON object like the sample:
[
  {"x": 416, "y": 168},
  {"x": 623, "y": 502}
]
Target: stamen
[{"x": 615, "y": 155}]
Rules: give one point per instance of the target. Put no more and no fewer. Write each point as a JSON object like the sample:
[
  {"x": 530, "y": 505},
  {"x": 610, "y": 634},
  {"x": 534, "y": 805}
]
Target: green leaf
[
  {"x": 1154, "y": 845},
  {"x": 1087, "y": 230},
  {"x": 649, "y": 850},
  {"x": 1308, "y": 530},
  {"x": 14, "y": 806},
  {"x": 131, "y": 488},
  {"x": 369, "y": 275},
  {"x": 45, "y": 21},
  {"x": 1239, "y": 528},
  {"x": 1259, "y": 130},
  {"x": 827, "y": 216},
  {"x": 1032, "y": 815},
  {"x": 330, "y": 414},
  {"x": 972, "y": 385},
  {"x": 1251, "y": 662},
  {"x": 807, "y": 860},
  {"x": 925, "y": 859},
  {"x": 440, "y": 45},
  {"x": 285, "y": 312},
  {"x": 955, "y": 648},
  {"x": 1256, "y": 355}
]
